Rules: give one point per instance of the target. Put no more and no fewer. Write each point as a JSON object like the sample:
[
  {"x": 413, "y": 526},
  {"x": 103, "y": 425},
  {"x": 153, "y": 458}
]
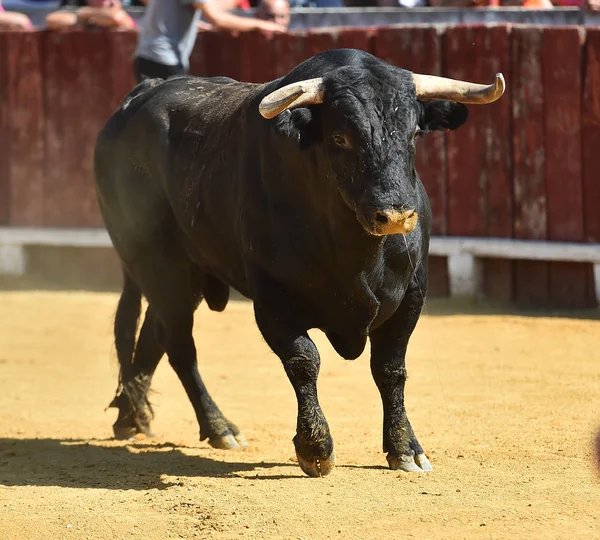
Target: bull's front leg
[
  {"x": 300, "y": 358},
  {"x": 388, "y": 351}
]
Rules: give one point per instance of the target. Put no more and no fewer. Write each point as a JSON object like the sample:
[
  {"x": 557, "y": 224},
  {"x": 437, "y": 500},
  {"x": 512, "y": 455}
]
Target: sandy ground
[{"x": 505, "y": 406}]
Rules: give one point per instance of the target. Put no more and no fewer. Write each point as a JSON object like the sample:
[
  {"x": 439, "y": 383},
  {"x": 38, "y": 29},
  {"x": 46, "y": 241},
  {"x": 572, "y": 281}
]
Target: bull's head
[{"x": 366, "y": 129}]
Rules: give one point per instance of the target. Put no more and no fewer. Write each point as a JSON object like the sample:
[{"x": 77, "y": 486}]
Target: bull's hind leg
[
  {"x": 388, "y": 351},
  {"x": 135, "y": 411},
  {"x": 173, "y": 287}
]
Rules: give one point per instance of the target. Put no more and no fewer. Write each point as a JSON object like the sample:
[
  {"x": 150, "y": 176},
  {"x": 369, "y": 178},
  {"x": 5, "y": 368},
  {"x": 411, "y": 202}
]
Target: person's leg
[{"x": 147, "y": 69}]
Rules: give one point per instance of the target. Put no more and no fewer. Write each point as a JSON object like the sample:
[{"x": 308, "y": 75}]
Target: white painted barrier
[{"x": 463, "y": 253}]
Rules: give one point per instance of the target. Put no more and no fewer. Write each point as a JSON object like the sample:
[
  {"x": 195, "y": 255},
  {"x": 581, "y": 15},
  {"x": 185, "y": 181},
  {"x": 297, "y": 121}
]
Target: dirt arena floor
[{"x": 504, "y": 405}]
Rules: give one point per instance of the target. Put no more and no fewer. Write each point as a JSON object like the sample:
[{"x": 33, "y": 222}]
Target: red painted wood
[
  {"x": 288, "y": 51},
  {"x": 123, "y": 44},
  {"x": 590, "y": 120},
  {"x": 77, "y": 107},
  {"x": 467, "y": 176},
  {"x": 198, "y": 63},
  {"x": 562, "y": 54},
  {"x": 319, "y": 40},
  {"x": 479, "y": 153},
  {"x": 590, "y": 135},
  {"x": 530, "y": 207},
  {"x": 25, "y": 129},
  {"x": 222, "y": 54},
  {"x": 256, "y": 50},
  {"x": 4, "y": 131},
  {"x": 418, "y": 49},
  {"x": 356, "y": 38}
]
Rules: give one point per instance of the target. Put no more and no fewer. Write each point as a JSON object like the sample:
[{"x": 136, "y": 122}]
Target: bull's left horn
[
  {"x": 308, "y": 92},
  {"x": 430, "y": 87}
]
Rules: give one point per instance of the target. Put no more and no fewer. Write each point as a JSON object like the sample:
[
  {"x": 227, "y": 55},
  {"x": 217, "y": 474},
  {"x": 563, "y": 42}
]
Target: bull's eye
[
  {"x": 340, "y": 140},
  {"x": 418, "y": 132}
]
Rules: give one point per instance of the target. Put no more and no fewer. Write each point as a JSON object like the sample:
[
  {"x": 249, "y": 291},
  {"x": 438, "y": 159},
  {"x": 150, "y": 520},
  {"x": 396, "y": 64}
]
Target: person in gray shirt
[{"x": 168, "y": 33}]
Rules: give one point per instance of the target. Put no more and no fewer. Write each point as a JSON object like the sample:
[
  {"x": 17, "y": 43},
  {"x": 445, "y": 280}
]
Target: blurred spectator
[
  {"x": 11, "y": 20},
  {"x": 402, "y": 3},
  {"x": 235, "y": 4},
  {"x": 277, "y": 11},
  {"x": 169, "y": 31},
  {"x": 532, "y": 4},
  {"x": 103, "y": 13},
  {"x": 593, "y": 5},
  {"x": 330, "y": 3}
]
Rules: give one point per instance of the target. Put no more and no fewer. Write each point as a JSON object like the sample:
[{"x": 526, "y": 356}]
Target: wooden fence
[{"x": 525, "y": 167}]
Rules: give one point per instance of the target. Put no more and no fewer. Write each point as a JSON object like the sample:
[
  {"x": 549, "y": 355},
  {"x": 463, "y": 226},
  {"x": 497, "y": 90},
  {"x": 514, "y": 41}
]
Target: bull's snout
[{"x": 394, "y": 222}]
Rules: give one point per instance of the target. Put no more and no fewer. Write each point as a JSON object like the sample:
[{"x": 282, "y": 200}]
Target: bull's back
[{"x": 165, "y": 154}]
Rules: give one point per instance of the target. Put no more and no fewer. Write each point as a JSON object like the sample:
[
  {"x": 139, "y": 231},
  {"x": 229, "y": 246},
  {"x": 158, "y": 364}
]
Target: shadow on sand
[{"x": 86, "y": 464}]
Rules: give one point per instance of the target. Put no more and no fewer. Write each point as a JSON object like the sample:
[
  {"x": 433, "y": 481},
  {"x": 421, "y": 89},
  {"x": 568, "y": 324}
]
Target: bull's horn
[
  {"x": 308, "y": 92},
  {"x": 432, "y": 87}
]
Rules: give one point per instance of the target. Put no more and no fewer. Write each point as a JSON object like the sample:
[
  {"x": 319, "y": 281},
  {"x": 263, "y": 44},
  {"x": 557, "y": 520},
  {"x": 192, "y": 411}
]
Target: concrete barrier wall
[{"x": 524, "y": 167}]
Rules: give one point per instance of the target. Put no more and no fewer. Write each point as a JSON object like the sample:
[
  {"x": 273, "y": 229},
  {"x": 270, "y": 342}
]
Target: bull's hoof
[
  {"x": 124, "y": 433},
  {"x": 418, "y": 463},
  {"x": 316, "y": 467},
  {"x": 128, "y": 430},
  {"x": 228, "y": 442}
]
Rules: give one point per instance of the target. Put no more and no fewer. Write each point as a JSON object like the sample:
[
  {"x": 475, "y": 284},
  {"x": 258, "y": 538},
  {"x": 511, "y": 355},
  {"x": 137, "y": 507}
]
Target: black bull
[{"x": 311, "y": 207}]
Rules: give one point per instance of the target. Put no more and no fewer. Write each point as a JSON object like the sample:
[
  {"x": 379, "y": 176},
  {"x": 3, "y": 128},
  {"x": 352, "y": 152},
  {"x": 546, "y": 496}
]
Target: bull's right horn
[
  {"x": 432, "y": 87},
  {"x": 300, "y": 94}
]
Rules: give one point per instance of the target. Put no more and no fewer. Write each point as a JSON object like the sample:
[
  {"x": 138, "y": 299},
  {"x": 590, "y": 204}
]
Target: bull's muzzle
[{"x": 394, "y": 222}]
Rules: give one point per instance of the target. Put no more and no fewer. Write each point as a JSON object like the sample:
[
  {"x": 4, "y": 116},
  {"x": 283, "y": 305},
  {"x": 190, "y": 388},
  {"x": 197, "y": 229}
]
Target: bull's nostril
[{"x": 381, "y": 218}]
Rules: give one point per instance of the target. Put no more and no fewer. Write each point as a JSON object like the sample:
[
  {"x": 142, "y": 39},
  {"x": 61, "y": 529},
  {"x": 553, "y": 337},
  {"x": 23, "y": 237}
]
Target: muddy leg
[
  {"x": 135, "y": 410},
  {"x": 300, "y": 358},
  {"x": 180, "y": 347},
  {"x": 388, "y": 350}
]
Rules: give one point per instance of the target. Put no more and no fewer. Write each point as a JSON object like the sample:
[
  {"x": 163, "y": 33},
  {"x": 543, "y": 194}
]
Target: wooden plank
[
  {"x": 530, "y": 208},
  {"x": 562, "y": 55},
  {"x": 356, "y": 38},
  {"x": 466, "y": 148},
  {"x": 288, "y": 51},
  {"x": 122, "y": 48},
  {"x": 479, "y": 153},
  {"x": 256, "y": 63},
  {"x": 4, "y": 130},
  {"x": 198, "y": 66},
  {"x": 222, "y": 54},
  {"x": 418, "y": 49},
  {"x": 590, "y": 115},
  {"x": 26, "y": 129},
  {"x": 320, "y": 39},
  {"x": 77, "y": 106},
  {"x": 590, "y": 142}
]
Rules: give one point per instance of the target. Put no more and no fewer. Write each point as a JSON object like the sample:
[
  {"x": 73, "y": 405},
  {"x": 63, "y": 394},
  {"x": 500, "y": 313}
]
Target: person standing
[{"x": 168, "y": 33}]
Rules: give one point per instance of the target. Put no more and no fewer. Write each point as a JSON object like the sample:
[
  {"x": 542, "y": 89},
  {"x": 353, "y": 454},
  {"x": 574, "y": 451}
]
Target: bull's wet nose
[
  {"x": 381, "y": 218},
  {"x": 394, "y": 222}
]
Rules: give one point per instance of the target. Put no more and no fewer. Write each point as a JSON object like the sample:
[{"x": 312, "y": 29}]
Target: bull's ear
[
  {"x": 299, "y": 125},
  {"x": 442, "y": 115}
]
